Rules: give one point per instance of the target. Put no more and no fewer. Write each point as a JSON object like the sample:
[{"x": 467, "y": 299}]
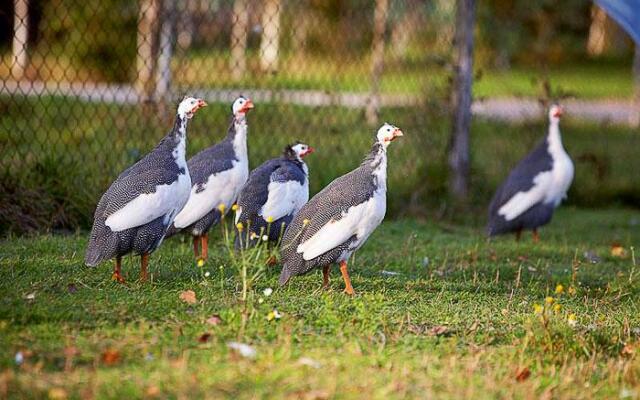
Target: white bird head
[
  {"x": 189, "y": 106},
  {"x": 388, "y": 133},
  {"x": 555, "y": 112},
  {"x": 302, "y": 149},
  {"x": 241, "y": 106}
]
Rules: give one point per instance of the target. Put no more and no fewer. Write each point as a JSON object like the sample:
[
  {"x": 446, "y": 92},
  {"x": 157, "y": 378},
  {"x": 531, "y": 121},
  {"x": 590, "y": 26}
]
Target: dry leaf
[
  {"x": 152, "y": 391},
  {"x": 214, "y": 320},
  {"x": 618, "y": 251},
  {"x": 57, "y": 394},
  {"x": 204, "y": 338},
  {"x": 110, "y": 357},
  {"x": 627, "y": 350},
  {"x": 188, "y": 296},
  {"x": 523, "y": 374},
  {"x": 438, "y": 330}
]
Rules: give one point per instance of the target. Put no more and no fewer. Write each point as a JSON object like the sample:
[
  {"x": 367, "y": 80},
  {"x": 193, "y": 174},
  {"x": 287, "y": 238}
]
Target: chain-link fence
[{"x": 88, "y": 86}]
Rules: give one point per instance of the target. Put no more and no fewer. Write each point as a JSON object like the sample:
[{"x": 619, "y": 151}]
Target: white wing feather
[
  {"x": 146, "y": 207},
  {"x": 522, "y": 201},
  {"x": 221, "y": 188},
  {"x": 336, "y": 232},
  {"x": 284, "y": 198}
]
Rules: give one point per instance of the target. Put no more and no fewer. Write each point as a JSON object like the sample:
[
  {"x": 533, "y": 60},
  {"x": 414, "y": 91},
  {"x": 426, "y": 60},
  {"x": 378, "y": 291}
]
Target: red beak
[
  {"x": 558, "y": 112},
  {"x": 396, "y": 134},
  {"x": 309, "y": 151},
  {"x": 248, "y": 105},
  {"x": 201, "y": 103}
]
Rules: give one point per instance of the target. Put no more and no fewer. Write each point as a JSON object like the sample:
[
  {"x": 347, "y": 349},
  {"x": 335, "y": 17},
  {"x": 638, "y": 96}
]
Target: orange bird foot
[{"x": 117, "y": 277}]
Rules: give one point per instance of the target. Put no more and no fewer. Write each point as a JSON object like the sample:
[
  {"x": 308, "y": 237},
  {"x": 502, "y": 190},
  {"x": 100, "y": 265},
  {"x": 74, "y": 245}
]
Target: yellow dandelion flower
[
  {"x": 222, "y": 207},
  {"x": 572, "y": 320},
  {"x": 556, "y": 308},
  {"x": 549, "y": 300},
  {"x": 537, "y": 308},
  {"x": 305, "y": 222},
  {"x": 571, "y": 290},
  {"x": 234, "y": 207},
  {"x": 240, "y": 227},
  {"x": 200, "y": 262},
  {"x": 559, "y": 288},
  {"x": 269, "y": 219}
]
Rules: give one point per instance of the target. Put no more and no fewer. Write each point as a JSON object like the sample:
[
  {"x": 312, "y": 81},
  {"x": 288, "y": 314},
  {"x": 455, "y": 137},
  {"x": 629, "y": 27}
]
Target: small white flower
[
  {"x": 19, "y": 358},
  {"x": 265, "y": 238},
  {"x": 207, "y": 274},
  {"x": 244, "y": 349},
  {"x": 267, "y": 292},
  {"x": 260, "y": 300}
]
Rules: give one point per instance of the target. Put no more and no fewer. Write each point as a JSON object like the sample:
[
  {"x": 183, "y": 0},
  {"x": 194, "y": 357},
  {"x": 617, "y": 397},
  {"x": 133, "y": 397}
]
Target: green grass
[{"x": 85, "y": 336}]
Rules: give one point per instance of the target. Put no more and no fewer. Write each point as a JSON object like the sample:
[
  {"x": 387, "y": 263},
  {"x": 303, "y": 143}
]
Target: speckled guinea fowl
[
  {"x": 338, "y": 220},
  {"x": 217, "y": 175},
  {"x": 273, "y": 194},
  {"x": 134, "y": 213},
  {"x": 535, "y": 187}
]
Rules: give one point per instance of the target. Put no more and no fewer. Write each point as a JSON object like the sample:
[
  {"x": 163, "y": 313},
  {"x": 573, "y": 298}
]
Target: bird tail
[
  {"x": 93, "y": 256},
  {"x": 285, "y": 275},
  {"x": 172, "y": 230}
]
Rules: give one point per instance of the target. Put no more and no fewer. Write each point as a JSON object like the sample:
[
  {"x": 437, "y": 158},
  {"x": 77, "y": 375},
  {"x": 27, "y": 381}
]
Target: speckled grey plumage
[
  {"x": 255, "y": 192},
  {"x": 345, "y": 192},
  {"x": 156, "y": 168},
  {"x": 521, "y": 179},
  {"x": 207, "y": 162}
]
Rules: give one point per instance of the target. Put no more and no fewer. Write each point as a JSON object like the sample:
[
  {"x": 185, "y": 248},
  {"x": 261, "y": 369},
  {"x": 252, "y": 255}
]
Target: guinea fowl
[
  {"x": 337, "y": 221},
  {"x": 535, "y": 187},
  {"x": 217, "y": 175},
  {"x": 134, "y": 213},
  {"x": 274, "y": 193}
]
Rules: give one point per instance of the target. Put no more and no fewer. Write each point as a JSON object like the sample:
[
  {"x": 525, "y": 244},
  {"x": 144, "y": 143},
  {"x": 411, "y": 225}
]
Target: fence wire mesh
[{"x": 87, "y": 87}]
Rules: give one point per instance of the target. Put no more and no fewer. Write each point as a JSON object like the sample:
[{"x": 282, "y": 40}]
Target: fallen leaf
[
  {"x": 523, "y": 374},
  {"x": 57, "y": 394},
  {"x": 627, "y": 350},
  {"x": 204, "y": 338},
  {"x": 110, "y": 357},
  {"x": 214, "y": 320},
  {"x": 618, "y": 251},
  {"x": 438, "y": 330},
  {"x": 152, "y": 391},
  {"x": 188, "y": 296}
]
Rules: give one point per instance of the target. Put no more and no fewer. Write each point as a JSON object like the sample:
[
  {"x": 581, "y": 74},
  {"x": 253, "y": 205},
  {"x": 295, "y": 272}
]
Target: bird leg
[
  {"x": 144, "y": 261},
  {"x": 347, "y": 281},
  {"x": 325, "y": 276},
  {"x": 518, "y": 234},
  {"x": 536, "y": 236},
  {"x": 205, "y": 246},
  {"x": 117, "y": 276},
  {"x": 196, "y": 246}
]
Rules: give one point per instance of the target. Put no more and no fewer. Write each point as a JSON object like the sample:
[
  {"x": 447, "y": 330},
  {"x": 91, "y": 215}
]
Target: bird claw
[
  {"x": 117, "y": 278},
  {"x": 349, "y": 292}
]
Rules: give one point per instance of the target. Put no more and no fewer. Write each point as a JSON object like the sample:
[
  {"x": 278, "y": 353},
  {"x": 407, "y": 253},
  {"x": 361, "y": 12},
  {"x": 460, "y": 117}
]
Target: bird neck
[
  {"x": 237, "y": 135},
  {"x": 554, "y": 139},
  {"x": 377, "y": 161}
]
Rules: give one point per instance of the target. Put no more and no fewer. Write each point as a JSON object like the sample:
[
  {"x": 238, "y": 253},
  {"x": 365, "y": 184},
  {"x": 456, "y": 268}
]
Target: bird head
[
  {"x": 189, "y": 106},
  {"x": 302, "y": 150},
  {"x": 241, "y": 106},
  {"x": 555, "y": 112},
  {"x": 388, "y": 133}
]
